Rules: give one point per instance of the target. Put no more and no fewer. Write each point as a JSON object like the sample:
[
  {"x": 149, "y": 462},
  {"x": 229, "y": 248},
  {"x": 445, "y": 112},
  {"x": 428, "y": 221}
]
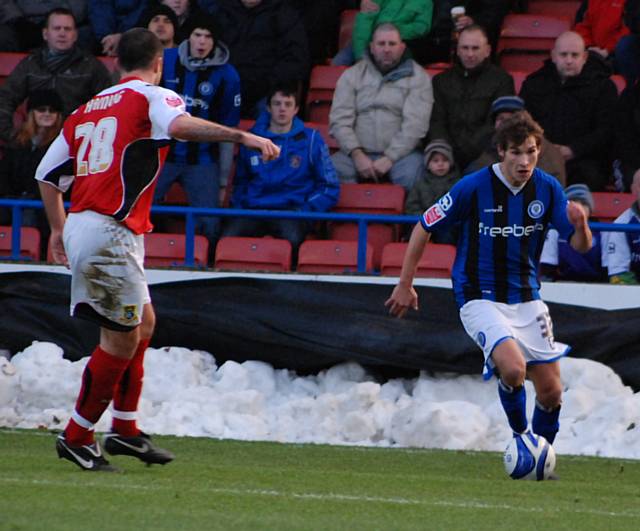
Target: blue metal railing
[{"x": 190, "y": 213}]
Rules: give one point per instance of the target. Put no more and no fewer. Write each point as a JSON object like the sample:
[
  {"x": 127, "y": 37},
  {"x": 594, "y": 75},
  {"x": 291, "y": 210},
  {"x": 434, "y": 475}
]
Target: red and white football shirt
[{"x": 112, "y": 148}]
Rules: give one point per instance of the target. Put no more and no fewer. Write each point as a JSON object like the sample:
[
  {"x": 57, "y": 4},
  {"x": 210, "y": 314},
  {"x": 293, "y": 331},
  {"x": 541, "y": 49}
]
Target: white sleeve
[
  {"x": 164, "y": 107},
  {"x": 56, "y": 167},
  {"x": 549, "y": 253},
  {"x": 616, "y": 254}
]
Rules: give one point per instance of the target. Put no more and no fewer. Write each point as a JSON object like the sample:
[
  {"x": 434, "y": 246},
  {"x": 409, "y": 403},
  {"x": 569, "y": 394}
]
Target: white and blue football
[{"x": 529, "y": 456}]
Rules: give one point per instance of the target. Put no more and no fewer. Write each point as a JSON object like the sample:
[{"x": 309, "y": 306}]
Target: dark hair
[
  {"x": 59, "y": 11},
  {"x": 155, "y": 10},
  {"x": 516, "y": 129},
  {"x": 475, "y": 27},
  {"x": 287, "y": 89},
  {"x": 137, "y": 49}
]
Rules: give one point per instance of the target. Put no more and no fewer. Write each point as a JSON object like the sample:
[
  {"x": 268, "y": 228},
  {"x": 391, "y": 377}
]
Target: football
[{"x": 529, "y": 456}]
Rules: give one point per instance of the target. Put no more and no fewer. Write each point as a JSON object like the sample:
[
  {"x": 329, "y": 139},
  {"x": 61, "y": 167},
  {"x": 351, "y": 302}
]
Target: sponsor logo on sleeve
[
  {"x": 237, "y": 100},
  {"x": 433, "y": 215},
  {"x": 174, "y": 101},
  {"x": 445, "y": 202}
]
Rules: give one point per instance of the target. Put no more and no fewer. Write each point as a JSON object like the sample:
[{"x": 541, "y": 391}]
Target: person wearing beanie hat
[
  {"x": 42, "y": 98},
  {"x": 550, "y": 158},
  {"x": 163, "y": 21},
  {"x": 199, "y": 70},
  {"x": 433, "y": 181},
  {"x": 559, "y": 261}
]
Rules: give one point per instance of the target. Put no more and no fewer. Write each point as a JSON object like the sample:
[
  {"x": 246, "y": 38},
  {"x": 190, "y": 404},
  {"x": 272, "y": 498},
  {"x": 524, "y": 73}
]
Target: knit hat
[
  {"x": 203, "y": 21},
  {"x": 438, "y": 146},
  {"x": 159, "y": 9},
  {"x": 44, "y": 98},
  {"x": 580, "y": 193},
  {"x": 506, "y": 104}
]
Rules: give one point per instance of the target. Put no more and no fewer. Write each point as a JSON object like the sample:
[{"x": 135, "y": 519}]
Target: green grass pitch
[{"x": 229, "y": 485}]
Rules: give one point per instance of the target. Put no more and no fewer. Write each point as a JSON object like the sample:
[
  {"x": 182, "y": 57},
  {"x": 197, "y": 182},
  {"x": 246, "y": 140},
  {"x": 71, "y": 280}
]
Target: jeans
[{"x": 201, "y": 183}]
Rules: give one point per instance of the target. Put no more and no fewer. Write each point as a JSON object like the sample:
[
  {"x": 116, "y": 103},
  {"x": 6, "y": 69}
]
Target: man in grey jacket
[
  {"x": 59, "y": 65},
  {"x": 380, "y": 112}
]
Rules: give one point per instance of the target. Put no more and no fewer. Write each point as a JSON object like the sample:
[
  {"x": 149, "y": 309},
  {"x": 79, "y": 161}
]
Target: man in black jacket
[
  {"x": 574, "y": 100},
  {"x": 59, "y": 65},
  {"x": 268, "y": 46}
]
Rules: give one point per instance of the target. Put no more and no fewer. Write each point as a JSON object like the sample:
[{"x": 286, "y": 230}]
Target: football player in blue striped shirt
[{"x": 502, "y": 213}]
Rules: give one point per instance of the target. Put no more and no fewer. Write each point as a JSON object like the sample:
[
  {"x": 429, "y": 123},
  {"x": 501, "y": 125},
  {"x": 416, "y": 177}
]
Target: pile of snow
[{"x": 187, "y": 393}]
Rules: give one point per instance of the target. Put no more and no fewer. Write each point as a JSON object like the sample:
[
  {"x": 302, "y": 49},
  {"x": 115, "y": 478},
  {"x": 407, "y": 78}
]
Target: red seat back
[
  {"x": 609, "y": 205},
  {"x": 331, "y": 256},
  {"x": 165, "y": 249},
  {"x": 253, "y": 254},
  {"x": 436, "y": 261},
  {"x": 322, "y": 84},
  {"x": 8, "y": 61},
  {"x": 29, "y": 242},
  {"x": 371, "y": 199}
]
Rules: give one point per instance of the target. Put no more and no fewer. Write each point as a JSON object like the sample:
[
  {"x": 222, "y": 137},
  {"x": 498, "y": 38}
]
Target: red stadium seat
[
  {"x": 518, "y": 78},
  {"x": 8, "y": 61},
  {"x": 253, "y": 254},
  {"x": 562, "y": 8},
  {"x": 369, "y": 199},
  {"x": 524, "y": 34},
  {"x": 521, "y": 31},
  {"x": 109, "y": 62},
  {"x": 164, "y": 249},
  {"x": 609, "y": 205},
  {"x": 29, "y": 242},
  {"x": 522, "y": 62},
  {"x": 347, "y": 20},
  {"x": 331, "y": 256},
  {"x": 322, "y": 84},
  {"x": 323, "y": 129},
  {"x": 619, "y": 82},
  {"x": 436, "y": 261}
]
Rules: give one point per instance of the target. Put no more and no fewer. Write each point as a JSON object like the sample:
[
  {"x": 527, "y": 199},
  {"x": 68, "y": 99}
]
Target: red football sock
[
  {"x": 98, "y": 382},
  {"x": 127, "y": 394}
]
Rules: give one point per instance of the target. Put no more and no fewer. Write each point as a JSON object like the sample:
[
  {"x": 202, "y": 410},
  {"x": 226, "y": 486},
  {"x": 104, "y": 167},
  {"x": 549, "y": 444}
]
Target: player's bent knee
[
  {"x": 550, "y": 397},
  {"x": 512, "y": 375}
]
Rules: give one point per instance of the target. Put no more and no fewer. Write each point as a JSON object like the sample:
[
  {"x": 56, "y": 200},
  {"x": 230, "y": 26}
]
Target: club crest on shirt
[
  {"x": 295, "y": 161},
  {"x": 433, "y": 215},
  {"x": 130, "y": 312},
  {"x": 205, "y": 88},
  {"x": 535, "y": 209}
]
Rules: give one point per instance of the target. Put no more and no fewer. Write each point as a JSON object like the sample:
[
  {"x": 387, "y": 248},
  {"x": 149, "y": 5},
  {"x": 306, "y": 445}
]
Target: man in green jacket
[{"x": 411, "y": 17}]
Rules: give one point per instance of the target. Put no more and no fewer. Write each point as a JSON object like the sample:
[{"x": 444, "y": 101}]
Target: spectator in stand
[
  {"x": 627, "y": 51},
  {"x": 439, "y": 175},
  {"x": 412, "y": 18},
  {"x": 440, "y": 41},
  {"x": 550, "y": 158},
  {"x": 186, "y": 10},
  {"x": 602, "y": 27},
  {"x": 163, "y": 22},
  {"x": 622, "y": 249},
  {"x": 21, "y": 23},
  {"x": 380, "y": 112},
  {"x": 268, "y": 47},
  {"x": 110, "y": 18},
  {"x": 76, "y": 75},
  {"x": 574, "y": 101},
  {"x": 199, "y": 70},
  {"x": 560, "y": 261},
  {"x": 302, "y": 178},
  {"x": 322, "y": 24},
  {"x": 464, "y": 94},
  {"x": 627, "y": 136},
  {"x": 23, "y": 154}
]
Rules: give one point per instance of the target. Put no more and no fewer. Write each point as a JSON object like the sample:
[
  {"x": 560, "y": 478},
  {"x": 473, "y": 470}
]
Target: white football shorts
[
  {"x": 489, "y": 323},
  {"x": 107, "y": 272}
]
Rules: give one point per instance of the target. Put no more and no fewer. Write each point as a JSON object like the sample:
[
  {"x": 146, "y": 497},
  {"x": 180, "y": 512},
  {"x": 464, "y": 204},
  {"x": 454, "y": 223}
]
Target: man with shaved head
[{"x": 573, "y": 99}]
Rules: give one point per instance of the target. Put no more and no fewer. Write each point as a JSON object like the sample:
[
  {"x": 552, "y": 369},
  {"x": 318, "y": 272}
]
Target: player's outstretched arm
[
  {"x": 581, "y": 239},
  {"x": 404, "y": 296},
  {"x": 194, "y": 129},
  {"x": 54, "y": 207}
]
